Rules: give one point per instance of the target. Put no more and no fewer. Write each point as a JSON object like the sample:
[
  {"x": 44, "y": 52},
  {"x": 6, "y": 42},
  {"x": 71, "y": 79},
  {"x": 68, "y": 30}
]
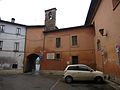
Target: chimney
[{"x": 12, "y": 20}]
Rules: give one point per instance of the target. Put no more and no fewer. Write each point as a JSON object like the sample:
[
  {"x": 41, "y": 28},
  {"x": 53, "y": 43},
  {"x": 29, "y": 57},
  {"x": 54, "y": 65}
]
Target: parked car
[{"x": 82, "y": 72}]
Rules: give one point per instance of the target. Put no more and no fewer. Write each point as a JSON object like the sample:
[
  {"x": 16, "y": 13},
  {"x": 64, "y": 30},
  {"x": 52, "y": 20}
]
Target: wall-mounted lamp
[{"x": 102, "y": 32}]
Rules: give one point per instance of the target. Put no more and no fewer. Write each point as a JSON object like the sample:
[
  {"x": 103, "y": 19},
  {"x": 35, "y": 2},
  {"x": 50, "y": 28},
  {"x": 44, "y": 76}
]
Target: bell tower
[{"x": 50, "y": 19}]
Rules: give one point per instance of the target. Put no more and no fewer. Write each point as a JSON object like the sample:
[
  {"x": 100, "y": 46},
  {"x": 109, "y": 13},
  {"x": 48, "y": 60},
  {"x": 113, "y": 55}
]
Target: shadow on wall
[{"x": 8, "y": 63}]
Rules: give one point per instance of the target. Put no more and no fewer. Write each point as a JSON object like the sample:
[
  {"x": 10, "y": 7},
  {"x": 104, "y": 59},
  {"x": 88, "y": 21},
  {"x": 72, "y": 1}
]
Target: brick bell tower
[{"x": 50, "y": 19}]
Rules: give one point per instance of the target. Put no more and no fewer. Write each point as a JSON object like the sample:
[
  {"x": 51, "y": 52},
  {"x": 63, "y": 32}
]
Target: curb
[
  {"x": 116, "y": 86},
  {"x": 11, "y": 72}
]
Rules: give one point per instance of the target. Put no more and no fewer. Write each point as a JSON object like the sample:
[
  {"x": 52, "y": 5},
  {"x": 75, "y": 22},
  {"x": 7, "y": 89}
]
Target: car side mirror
[{"x": 91, "y": 70}]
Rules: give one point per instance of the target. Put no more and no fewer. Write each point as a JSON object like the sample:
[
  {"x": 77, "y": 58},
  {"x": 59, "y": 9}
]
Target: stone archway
[{"x": 31, "y": 62}]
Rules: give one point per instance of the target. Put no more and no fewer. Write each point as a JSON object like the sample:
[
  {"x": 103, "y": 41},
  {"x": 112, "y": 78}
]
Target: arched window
[
  {"x": 50, "y": 15},
  {"x": 98, "y": 45}
]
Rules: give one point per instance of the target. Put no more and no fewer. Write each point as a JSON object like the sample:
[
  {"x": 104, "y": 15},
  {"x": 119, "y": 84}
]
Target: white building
[{"x": 12, "y": 44}]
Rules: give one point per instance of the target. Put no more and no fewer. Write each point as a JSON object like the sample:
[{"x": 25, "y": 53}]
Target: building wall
[
  {"x": 34, "y": 43},
  {"x": 84, "y": 49},
  {"x": 34, "y": 40},
  {"x": 7, "y": 55},
  {"x": 108, "y": 19}
]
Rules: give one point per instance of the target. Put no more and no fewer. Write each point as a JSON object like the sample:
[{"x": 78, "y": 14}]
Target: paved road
[{"x": 45, "y": 82}]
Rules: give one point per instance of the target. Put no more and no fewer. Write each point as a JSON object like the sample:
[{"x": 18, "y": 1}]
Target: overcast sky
[{"x": 69, "y": 13}]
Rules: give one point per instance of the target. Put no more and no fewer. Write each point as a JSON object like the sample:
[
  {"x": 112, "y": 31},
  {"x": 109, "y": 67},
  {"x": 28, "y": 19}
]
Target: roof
[
  {"x": 34, "y": 26},
  {"x": 69, "y": 28},
  {"x": 11, "y": 23},
  {"x": 92, "y": 11},
  {"x": 50, "y": 9}
]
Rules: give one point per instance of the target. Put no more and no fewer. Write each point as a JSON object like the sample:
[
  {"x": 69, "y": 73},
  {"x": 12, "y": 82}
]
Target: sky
[{"x": 69, "y": 13}]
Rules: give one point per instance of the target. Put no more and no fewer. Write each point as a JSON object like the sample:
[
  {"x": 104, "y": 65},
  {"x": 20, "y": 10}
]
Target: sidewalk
[
  {"x": 113, "y": 84},
  {"x": 11, "y": 72}
]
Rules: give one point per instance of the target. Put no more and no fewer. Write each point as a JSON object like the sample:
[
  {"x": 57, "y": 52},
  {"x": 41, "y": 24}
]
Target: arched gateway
[{"x": 32, "y": 63}]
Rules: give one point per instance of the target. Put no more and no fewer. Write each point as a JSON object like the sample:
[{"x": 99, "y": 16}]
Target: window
[
  {"x": 98, "y": 45},
  {"x": 115, "y": 3},
  {"x": 51, "y": 56},
  {"x": 18, "y": 31},
  {"x": 74, "y": 59},
  {"x": 2, "y": 28},
  {"x": 57, "y": 55},
  {"x": 83, "y": 68},
  {"x": 74, "y": 40},
  {"x": 16, "y": 47},
  {"x": 1, "y": 45},
  {"x": 58, "y": 42},
  {"x": 14, "y": 66}
]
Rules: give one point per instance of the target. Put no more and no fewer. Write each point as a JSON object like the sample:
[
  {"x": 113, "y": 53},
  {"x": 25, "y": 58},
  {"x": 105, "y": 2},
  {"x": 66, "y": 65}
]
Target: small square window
[{"x": 57, "y": 55}]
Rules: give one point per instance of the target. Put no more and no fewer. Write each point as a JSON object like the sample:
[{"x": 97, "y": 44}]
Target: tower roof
[{"x": 50, "y": 9}]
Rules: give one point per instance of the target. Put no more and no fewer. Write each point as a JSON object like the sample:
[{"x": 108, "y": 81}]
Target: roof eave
[
  {"x": 92, "y": 11},
  {"x": 69, "y": 28},
  {"x": 12, "y": 23}
]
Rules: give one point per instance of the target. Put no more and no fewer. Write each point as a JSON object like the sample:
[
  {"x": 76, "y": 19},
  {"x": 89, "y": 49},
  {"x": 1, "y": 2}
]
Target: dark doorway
[
  {"x": 31, "y": 62},
  {"x": 74, "y": 59}
]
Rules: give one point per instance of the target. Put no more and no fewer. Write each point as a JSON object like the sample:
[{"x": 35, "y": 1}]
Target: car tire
[
  {"x": 98, "y": 79},
  {"x": 68, "y": 79}
]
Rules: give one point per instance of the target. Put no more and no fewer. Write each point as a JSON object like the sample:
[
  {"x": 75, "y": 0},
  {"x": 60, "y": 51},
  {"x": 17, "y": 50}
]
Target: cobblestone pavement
[{"x": 46, "y": 82}]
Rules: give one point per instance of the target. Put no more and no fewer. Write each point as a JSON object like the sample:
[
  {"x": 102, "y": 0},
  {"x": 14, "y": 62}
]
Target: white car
[{"x": 82, "y": 72}]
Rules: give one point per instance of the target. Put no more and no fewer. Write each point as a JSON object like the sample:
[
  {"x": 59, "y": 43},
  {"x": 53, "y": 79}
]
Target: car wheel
[
  {"x": 68, "y": 79},
  {"x": 98, "y": 79}
]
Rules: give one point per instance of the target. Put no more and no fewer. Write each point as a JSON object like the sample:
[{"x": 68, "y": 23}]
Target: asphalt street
[{"x": 46, "y": 82}]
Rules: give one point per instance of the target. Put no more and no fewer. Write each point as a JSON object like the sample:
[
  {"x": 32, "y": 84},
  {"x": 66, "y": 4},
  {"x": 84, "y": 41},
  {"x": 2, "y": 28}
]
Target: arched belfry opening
[{"x": 33, "y": 63}]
